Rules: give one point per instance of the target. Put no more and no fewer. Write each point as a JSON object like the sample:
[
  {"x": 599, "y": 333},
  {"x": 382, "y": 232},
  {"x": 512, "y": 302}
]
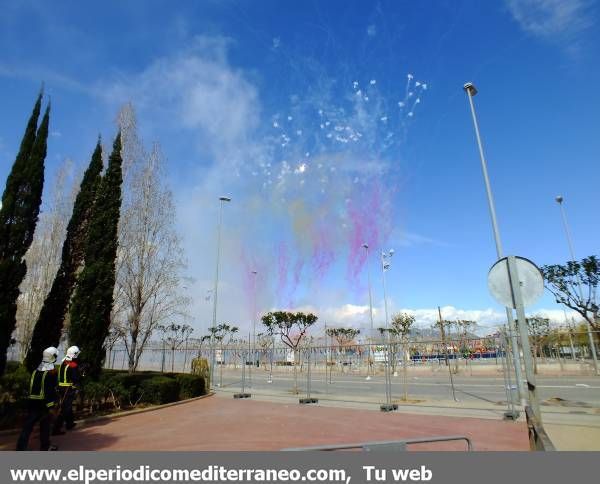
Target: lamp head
[
  {"x": 469, "y": 87},
  {"x": 365, "y": 246},
  {"x": 559, "y": 199},
  {"x": 225, "y": 199}
]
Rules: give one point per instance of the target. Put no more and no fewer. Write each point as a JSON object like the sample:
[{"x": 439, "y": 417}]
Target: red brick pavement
[{"x": 219, "y": 423}]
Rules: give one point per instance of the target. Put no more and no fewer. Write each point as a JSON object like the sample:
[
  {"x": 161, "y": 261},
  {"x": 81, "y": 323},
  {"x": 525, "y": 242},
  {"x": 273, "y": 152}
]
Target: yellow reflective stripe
[
  {"x": 63, "y": 379},
  {"x": 31, "y": 382},
  {"x": 42, "y": 384},
  {"x": 65, "y": 384},
  {"x": 41, "y": 395},
  {"x": 50, "y": 404}
]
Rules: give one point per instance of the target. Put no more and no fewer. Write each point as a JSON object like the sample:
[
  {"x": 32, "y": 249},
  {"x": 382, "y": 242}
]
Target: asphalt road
[{"x": 574, "y": 390}]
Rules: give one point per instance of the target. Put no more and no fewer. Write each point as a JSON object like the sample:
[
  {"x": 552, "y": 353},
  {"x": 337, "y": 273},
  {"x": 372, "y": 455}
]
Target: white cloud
[
  {"x": 485, "y": 318},
  {"x": 348, "y": 312},
  {"x": 357, "y": 316},
  {"x": 199, "y": 93},
  {"x": 550, "y": 18},
  {"x": 197, "y": 90}
]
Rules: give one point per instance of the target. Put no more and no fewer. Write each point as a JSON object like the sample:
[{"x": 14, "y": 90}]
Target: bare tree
[
  {"x": 265, "y": 343},
  {"x": 291, "y": 328},
  {"x": 197, "y": 344},
  {"x": 174, "y": 336},
  {"x": 344, "y": 337},
  {"x": 43, "y": 256},
  {"x": 150, "y": 259},
  {"x": 400, "y": 328},
  {"x": 575, "y": 284},
  {"x": 463, "y": 329},
  {"x": 539, "y": 330},
  {"x": 224, "y": 335}
]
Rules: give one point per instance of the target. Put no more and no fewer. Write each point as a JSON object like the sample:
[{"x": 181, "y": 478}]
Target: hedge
[
  {"x": 126, "y": 389},
  {"x": 160, "y": 389},
  {"x": 190, "y": 386},
  {"x": 113, "y": 390},
  {"x": 14, "y": 389}
]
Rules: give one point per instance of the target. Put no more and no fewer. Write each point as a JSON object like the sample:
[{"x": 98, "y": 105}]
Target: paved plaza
[{"x": 224, "y": 423}]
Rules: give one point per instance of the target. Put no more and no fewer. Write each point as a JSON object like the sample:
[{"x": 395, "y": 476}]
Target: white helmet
[
  {"x": 72, "y": 353},
  {"x": 49, "y": 356}
]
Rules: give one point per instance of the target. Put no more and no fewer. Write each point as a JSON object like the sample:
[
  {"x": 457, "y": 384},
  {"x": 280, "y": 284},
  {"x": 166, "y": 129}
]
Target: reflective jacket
[
  {"x": 42, "y": 387},
  {"x": 68, "y": 374}
]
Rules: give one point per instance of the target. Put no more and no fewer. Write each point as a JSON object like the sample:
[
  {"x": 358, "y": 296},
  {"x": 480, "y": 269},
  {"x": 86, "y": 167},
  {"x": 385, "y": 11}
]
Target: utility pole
[
  {"x": 560, "y": 201},
  {"x": 471, "y": 91}
]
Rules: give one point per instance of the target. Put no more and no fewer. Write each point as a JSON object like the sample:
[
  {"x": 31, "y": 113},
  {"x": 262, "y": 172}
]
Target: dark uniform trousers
[
  {"x": 66, "y": 396},
  {"x": 68, "y": 380},
  {"x": 42, "y": 398},
  {"x": 38, "y": 412}
]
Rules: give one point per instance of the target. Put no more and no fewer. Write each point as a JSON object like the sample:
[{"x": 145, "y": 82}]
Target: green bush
[
  {"x": 94, "y": 394},
  {"x": 15, "y": 383},
  {"x": 12, "y": 366},
  {"x": 114, "y": 390},
  {"x": 190, "y": 386},
  {"x": 160, "y": 389},
  {"x": 14, "y": 389}
]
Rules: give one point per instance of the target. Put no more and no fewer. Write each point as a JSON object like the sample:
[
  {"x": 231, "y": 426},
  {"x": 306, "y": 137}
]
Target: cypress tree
[
  {"x": 93, "y": 299},
  {"x": 49, "y": 325},
  {"x": 18, "y": 216}
]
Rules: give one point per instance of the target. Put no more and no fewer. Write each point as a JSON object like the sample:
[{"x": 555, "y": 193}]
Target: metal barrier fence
[
  {"x": 467, "y": 356},
  {"x": 387, "y": 446},
  {"x": 478, "y": 371},
  {"x": 353, "y": 358},
  {"x": 562, "y": 350}
]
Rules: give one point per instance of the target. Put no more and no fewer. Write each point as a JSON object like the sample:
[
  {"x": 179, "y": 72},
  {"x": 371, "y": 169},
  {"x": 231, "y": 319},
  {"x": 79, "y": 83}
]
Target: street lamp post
[
  {"x": 253, "y": 327},
  {"x": 370, "y": 356},
  {"x": 326, "y": 355},
  {"x": 270, "y": 380},
  {"x": 560, "y": 201},
  {"x": 215, "y": 290},
  {"x": 471, "y": 91},
  {"x": 388, "y": 406}
]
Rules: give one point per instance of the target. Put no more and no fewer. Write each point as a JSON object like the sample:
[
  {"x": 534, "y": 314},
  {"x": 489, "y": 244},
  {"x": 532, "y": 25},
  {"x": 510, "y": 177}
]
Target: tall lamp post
[
  {"x": 472, "y": 91},
  {"x": 560, "y": 199},
  {"x": 366, "y": 247},
  {"x": 253, "y": 327},
  {"x": 215, "y": 290},
  {"x": 388, "y": 406}
]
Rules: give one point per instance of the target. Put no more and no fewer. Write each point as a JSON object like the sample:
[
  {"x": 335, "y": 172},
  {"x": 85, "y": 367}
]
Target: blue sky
[{"x": 292, "y": 108}]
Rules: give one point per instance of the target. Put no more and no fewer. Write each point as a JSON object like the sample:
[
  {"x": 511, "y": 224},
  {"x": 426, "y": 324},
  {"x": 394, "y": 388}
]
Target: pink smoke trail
[
  {"x": 365, "y": 214},
  {"x": 297, "y": 272},
  {"x": 323, "y": 253}
]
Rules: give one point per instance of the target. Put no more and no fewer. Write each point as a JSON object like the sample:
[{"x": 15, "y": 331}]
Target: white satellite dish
[{"x": 531, "y": 282}]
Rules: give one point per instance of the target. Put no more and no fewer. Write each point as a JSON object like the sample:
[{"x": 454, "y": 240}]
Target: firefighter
[
  {"x": 68, "y": 384},
  {"x": 42, "y": 399}
]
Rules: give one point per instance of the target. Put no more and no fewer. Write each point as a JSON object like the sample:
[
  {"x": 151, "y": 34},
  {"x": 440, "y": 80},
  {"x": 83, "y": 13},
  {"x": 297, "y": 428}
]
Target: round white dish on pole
[{"x": 531, "y": 282}]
